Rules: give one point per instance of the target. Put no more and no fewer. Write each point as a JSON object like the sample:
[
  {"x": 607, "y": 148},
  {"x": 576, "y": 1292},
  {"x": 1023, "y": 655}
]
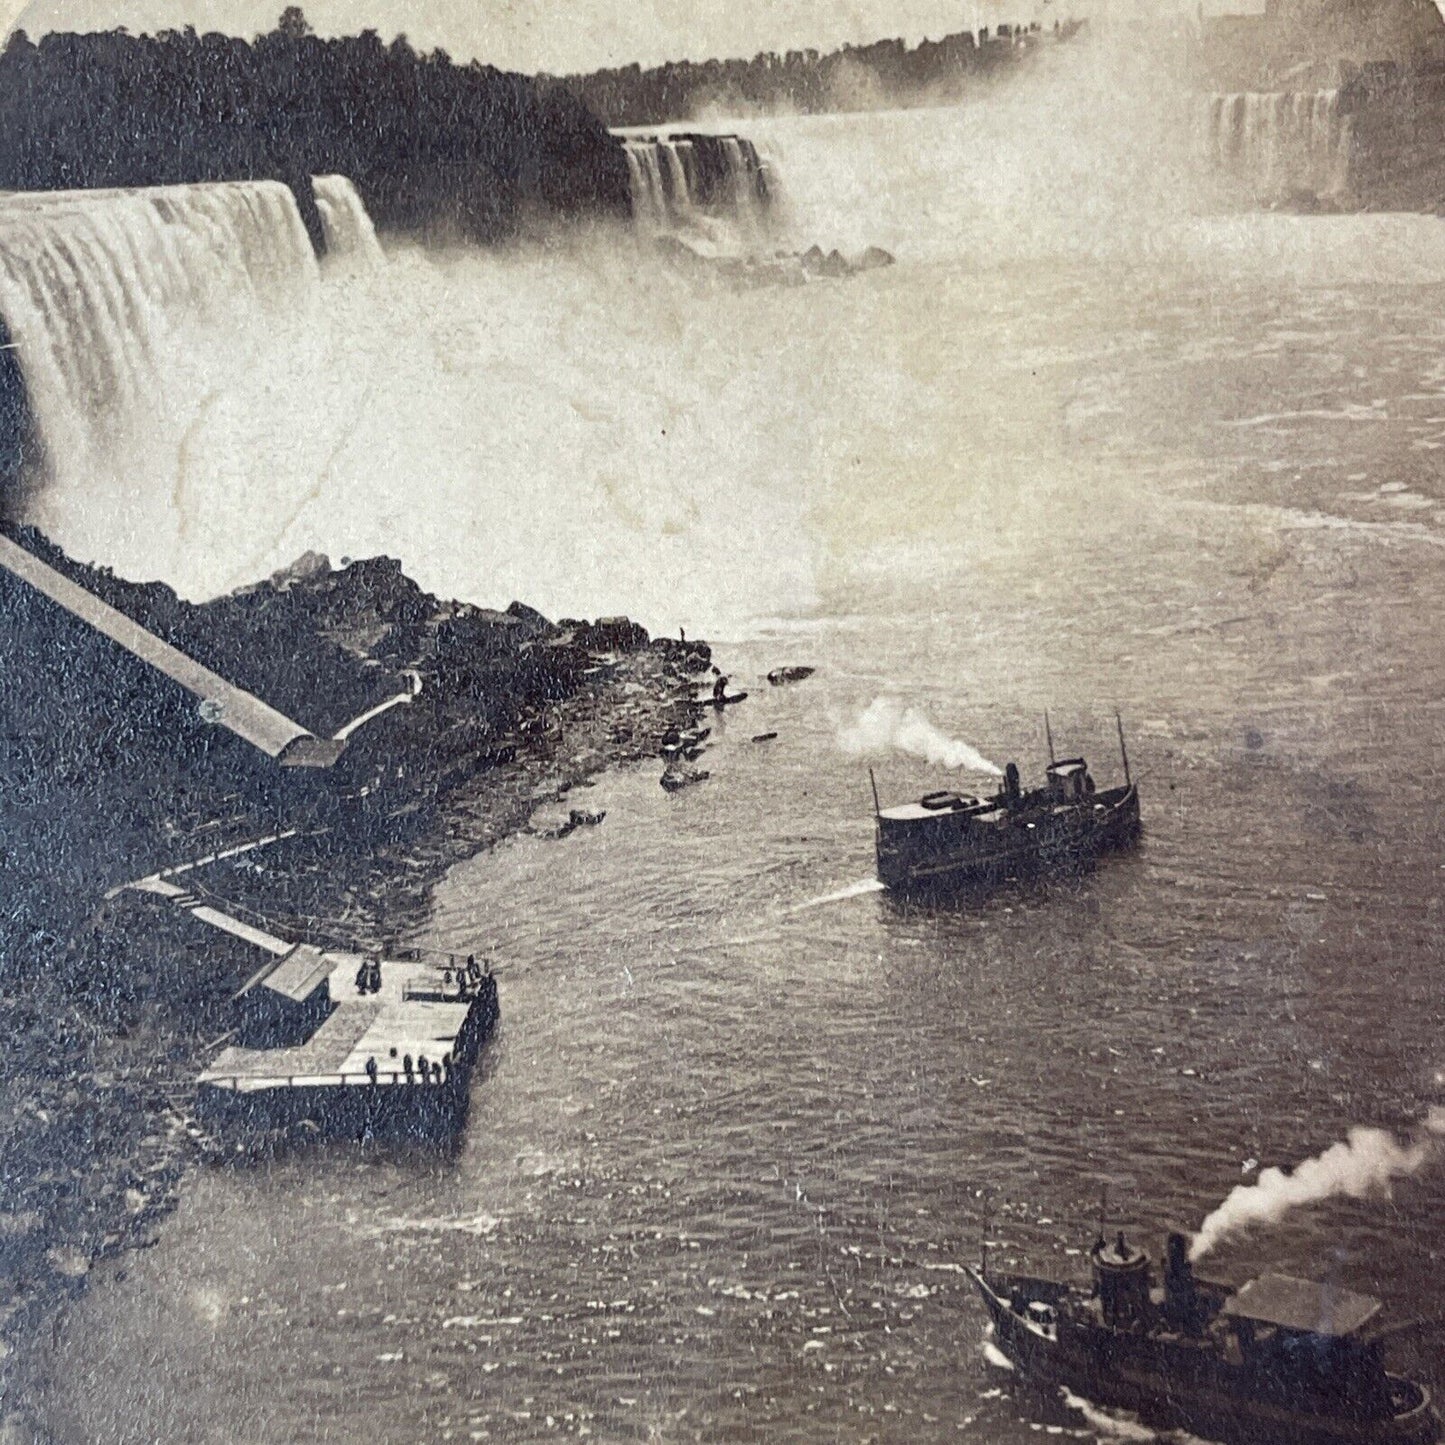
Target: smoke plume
[
  {"x": 886, "y": 725},
  {"x": 1361, "y": 1165}
]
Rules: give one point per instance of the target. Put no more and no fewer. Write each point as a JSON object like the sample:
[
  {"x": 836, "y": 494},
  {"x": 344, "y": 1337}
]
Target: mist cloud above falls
[
  {"x": 563, "y": 425},
  {"x": 1089, "y": 149}
]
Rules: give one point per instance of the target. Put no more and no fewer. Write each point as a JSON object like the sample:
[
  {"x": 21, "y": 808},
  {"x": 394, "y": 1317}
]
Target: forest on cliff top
[{"x": 431, "y": 144}]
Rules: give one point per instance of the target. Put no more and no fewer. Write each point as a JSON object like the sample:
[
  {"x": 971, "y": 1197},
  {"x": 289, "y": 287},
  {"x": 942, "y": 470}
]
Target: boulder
[
  {"x": 533, "y": 623},
  {"x": 612, "y": 634},
  {"x": 306, "y": 566},
  {"x": 68, "y": 1262}
]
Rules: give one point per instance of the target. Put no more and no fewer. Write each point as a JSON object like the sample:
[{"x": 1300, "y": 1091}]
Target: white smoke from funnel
[
  {"x": 1365, "y": 1163},
  {"x": 886, "y": 725}
]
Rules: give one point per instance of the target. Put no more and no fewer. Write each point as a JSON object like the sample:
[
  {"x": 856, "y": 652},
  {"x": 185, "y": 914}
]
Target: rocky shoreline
[{"x": 110, "y": 1006}]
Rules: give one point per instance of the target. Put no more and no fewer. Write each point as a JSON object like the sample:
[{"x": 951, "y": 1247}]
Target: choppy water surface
[{"x": 724, "y": 1160}]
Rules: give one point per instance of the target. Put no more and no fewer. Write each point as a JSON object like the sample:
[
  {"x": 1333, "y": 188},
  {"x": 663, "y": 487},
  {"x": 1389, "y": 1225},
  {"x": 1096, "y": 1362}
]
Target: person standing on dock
[{"x": 371, "y": 1071}]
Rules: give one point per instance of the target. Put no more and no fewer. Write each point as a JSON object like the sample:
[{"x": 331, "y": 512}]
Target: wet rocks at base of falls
[
  {"x": 681, "y": 747},
  {"x": 778, "y": 268},
  {"x": 576, "y": 818},
  {"x": 834, "y": 264},
  {"x": 675, "y": 778},
  {"x": 799, "y": 269}
]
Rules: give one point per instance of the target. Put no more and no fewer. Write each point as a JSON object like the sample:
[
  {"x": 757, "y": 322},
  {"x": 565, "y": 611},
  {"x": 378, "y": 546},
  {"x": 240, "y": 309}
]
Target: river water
[{"x": 727, "y": 1155}]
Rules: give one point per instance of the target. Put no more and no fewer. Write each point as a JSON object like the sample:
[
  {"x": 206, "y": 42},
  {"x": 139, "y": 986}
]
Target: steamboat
[
  {"x": 1278, "y": 1359},
  {"x": 949, "y": 840}
]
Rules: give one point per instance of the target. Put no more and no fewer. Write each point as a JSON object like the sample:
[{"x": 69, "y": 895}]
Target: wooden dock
[
  {"x": 346, "y": 1043},
  {"x": 395, "y": 1059}
]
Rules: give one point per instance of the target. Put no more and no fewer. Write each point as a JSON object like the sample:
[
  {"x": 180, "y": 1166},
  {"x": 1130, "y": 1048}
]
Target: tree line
[
  {"x": 855, "y": 77},
  {"x": 431, "y": 145}
]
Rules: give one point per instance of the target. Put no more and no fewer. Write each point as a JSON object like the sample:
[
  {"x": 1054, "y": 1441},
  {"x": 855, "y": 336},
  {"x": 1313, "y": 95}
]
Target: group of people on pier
[
  {"x": 466, "y": 978},
  {"x": 419, "y": 1071}
]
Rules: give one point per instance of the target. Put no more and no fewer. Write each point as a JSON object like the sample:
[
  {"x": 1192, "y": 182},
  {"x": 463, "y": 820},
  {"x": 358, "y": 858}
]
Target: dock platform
[
  {"x": 345, "y": 1043},
  {"x": 394, "y": 1060}
]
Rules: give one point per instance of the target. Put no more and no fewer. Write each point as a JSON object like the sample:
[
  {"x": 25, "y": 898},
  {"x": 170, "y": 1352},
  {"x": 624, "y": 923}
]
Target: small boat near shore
[
  {"x": 782, "y": 676},
  {"x": 719, "y": 700},
  {"x": 949, "y": 840},
  {"x": 1278, "y": 1359},
  {"x": 675, "y": 778}
]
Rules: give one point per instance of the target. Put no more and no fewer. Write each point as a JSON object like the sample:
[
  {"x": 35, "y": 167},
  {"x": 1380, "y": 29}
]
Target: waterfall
[
  {"x": 679, "y": 188},
  {"x": 98, "y": 288},
  {"x": 689, "y": 184},
  {"x": 349, "y": 232},
  {"x": 1280, "y": 142},
  {"x": 649, "y": 203},
  {"x": 742, "y": 173}
]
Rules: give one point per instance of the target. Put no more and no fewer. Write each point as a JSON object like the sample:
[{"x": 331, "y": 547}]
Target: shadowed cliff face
[
  {"x": 1337, "y": 103},
  {"x": 1299, "y": 44},
  {"x": 19, "y": 444},
  {"x": 431, "y": 145}
]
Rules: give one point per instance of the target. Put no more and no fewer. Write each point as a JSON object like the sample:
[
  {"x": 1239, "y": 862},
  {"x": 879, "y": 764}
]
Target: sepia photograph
[{"x": 721, "y": 722}]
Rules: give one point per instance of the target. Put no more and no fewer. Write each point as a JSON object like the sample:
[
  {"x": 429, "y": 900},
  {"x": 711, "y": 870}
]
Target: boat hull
[
  {"x": 949, "y": 853},
  {"x": 1099, "y": 1370}
]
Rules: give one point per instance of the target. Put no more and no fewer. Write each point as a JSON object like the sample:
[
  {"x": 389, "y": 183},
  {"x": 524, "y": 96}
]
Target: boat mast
[
  {"x": 1049, "y": 734},
  {"x": 1123, "y": 750},
  {"x": 874, "y": 781},
  {"x": 983, "y": 1234}
]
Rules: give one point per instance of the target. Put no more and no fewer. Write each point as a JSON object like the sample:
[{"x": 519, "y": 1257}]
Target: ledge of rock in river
[{"x": 782, "y": 268}]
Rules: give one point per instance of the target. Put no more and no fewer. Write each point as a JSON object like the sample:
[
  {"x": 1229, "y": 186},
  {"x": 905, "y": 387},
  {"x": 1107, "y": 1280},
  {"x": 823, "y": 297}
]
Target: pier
[
  {"x": 342, "y": 1042},
  {"x": 352, "y": 1046}
]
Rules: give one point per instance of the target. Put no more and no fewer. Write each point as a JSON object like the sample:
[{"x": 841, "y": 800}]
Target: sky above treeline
[
  {"x": 559, "y": 35},
  {"x": 570, "y": 35}
]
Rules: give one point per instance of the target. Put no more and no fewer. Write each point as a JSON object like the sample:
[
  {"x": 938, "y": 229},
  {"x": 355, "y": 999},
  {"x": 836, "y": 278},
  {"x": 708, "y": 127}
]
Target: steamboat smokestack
[
  {"x": 1121, "y": 1282},
  {"x": 1182, "y": 1306}
]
